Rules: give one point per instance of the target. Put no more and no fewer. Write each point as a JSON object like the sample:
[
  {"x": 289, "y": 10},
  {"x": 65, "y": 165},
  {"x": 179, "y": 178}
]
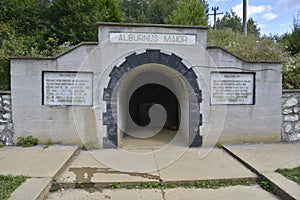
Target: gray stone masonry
[
  {"x": 6, "y": 127},
  {"x": 291, "y": 115}
]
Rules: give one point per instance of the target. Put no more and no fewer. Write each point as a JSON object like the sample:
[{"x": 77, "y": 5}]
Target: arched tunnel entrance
[{"x": 137, "y": 86}]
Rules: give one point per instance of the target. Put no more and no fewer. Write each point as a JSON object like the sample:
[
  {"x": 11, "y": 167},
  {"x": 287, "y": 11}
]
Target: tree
[
  {"x": 291, "y": 42},
  {"x": 190, "y": 12},
  {"x": 252, "y": 28},
  {"x": 134, "y": 11},
  {"x": 234, "y": 22},
  {"x": 159, "y": 10},
  {"x": 74, "y": 20}
]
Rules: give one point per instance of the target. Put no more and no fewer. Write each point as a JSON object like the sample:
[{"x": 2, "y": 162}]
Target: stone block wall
[
  {"x": 6, "y": 132},
  {"x": 291, "y": 115}
]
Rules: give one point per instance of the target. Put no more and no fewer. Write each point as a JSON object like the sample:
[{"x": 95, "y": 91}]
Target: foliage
[
  {"x": 219, "y": 145},
  {"x": 91, "y": 146},
  {"x": 74, "y": 20},
  {"x": 293, "y": 174},
  {"x": 291, "y": 72},
  {"x": 265, "y": 185},
  {"x": 40, "y": 28},
  {"x": 8, "y": 184},
  {"x": 248, "y": 47},
  {"x": 114, "y": 186},
  {"x": 291, "y": 42},
  {"x": 28, "y": 141},
  {"x": 2, "y": 145},
  {"x": 191, "y": 12},
  {"x": 211, "y": 184},
  {"x": 55, "y": 187},
  {"x": 234, "y": 22},
  {"x": 134, "y": 11},
  {"x": 159, "y": 10}
]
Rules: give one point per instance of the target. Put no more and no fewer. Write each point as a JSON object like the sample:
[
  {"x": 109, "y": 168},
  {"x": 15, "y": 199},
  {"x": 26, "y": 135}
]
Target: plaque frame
[
  {"x": 238, "y": 104},
  {"x": 71, "y": 72}
]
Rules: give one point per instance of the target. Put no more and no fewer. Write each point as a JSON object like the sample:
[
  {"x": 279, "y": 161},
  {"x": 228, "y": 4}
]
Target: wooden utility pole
[
  {"x": 245, "y": 5},
  {"x": 215, "y": 9}
]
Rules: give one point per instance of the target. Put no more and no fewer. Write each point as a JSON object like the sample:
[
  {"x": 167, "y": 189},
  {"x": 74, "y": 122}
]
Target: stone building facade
[{"x": 95, "y": 91}]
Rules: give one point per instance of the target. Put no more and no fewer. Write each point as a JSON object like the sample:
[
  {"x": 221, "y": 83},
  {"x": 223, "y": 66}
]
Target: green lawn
[
  {"x": 8, "y": 184},
  {"x": 293, "y": 174}
]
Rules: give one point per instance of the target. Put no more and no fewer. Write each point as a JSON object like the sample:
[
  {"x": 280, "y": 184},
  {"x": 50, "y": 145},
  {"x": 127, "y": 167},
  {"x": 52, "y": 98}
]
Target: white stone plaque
[
  {"x": 232, "y": 88},
  {"x": 153, "y": 38},
  {"x": 68, "y": 88}
]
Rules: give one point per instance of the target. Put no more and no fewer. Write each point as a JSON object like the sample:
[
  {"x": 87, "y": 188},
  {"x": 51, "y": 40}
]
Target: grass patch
[
  {"x": 219, "y": 145},
  {"x": 222, "y": 183},
  {"x": 91, "y": 146},
  {"x": 209, "y": 184},
  {"x": 54, "y": 187},
  {"x": 2, "y": 145},
  {"x": 8, "y": 184},
  {"x": 114, "y": 186},
  {"x": 28, "y": 141},
  {"x": 292, "y": 174},
  {"x": 264, "y": 184}
]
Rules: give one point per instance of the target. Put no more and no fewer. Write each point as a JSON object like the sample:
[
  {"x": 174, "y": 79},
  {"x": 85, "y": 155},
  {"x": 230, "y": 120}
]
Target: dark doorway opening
[{"x": 146, "y": 96}]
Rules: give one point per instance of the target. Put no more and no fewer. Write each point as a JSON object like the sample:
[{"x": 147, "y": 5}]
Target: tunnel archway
[{"x": 161, "y": 64}]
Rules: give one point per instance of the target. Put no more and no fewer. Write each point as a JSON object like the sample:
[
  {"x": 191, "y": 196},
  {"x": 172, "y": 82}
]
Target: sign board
[
  {"x": 153, "y": 38},
  {"x": 68, "y": 88},
  {"x": 232, "y": 88}
]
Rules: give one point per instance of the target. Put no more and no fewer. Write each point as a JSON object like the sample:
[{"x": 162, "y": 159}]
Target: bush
[
  {"x": 249, "y": 47},
  {"x": 28, "y": 141},
  {"x": 291, "y": 72}
]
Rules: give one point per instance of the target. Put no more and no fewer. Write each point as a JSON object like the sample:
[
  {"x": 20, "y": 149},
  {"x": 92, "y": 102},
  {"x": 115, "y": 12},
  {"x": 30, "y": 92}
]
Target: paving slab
[
  {"x": 216, "y": 165},
  {"x": 288, "y": 186},
  {"x": 88, "y": 166},
  {"x": 226, "y": 193},
  {"x": 32, "y": 188},
  {"x": 133, "y": 194},
  {"x": 169, "y": 165},
  {"x": 268, "y": 157},
  {"x": 34, "y": 161}
]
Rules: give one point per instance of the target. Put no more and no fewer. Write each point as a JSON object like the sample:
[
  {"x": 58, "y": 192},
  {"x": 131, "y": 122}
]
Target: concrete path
[
  {"x": 186, "y": 166},
  {"x": 266, "y": 158},
  {"x": 98, "y": 169},
  {"x": 40, "y": 164}
]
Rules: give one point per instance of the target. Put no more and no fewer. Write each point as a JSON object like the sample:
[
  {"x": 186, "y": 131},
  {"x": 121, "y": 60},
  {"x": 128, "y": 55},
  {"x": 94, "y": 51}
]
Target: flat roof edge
[
  {"x": 243, "y": 59},
  {"x": 150, "y": 25},
  {"x": 52, "y": 57}
]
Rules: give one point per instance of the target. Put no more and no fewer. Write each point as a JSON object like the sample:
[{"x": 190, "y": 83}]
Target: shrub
[{"x": 28, "y": 141}]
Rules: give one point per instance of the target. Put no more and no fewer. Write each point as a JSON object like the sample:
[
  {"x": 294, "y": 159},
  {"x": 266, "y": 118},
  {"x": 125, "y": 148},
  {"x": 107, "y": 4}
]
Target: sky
[{"x": 271, "y": 16}]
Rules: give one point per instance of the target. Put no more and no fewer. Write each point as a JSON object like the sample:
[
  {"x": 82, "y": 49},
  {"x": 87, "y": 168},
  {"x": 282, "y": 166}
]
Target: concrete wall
[
  {"x": 291, "y": 115},
  {"x": 290, "y": 111},
  {"x": 65, "y": 124}
]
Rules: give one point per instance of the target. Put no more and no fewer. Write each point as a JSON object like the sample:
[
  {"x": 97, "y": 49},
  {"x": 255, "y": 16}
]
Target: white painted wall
[{"x": 76, "y": 125}]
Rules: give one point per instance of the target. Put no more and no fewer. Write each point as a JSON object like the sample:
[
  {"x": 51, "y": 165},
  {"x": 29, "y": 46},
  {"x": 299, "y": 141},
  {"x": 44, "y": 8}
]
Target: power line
[
  {"x": 229, "y": 5},
  {"x": 215, "y": 9}
]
